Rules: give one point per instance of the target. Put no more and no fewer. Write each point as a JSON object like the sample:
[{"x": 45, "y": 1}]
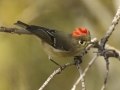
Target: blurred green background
[{"x": 23, "y": 63}]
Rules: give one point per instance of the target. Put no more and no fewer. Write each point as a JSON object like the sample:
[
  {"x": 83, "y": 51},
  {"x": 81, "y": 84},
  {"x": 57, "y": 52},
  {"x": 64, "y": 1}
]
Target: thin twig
[
  {"x": 55, "y": 73},
  {"x": 105, "y": 80},
  {"x": 82, "y": 80},
  {"x": 113, "y": 48},
  {"x": 106, "y": 77},
  {"x": 14, "y": 30},
  {"x": 111, "y": 29}
]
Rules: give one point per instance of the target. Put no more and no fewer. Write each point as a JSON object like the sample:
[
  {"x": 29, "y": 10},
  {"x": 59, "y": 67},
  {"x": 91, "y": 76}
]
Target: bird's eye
[{"x": 82, "y": 42}]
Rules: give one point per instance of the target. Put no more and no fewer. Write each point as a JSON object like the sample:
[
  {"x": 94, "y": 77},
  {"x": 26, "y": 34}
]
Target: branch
[
  {"x": 106, "y": 53},
  {"x": 82, "y": 81},
  {"x": 110, "y": 30},
  {"x": 55, "y": 73},
  {"x": 14, "y": 30}
]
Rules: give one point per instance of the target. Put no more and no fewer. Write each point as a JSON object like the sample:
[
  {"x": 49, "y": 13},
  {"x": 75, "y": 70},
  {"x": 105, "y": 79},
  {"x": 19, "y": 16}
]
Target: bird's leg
[
  {"x": 54, "y": 62},
  {"x": 78, "y": 59}
]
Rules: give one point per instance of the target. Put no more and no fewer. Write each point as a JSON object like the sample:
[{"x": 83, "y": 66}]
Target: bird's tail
[{"x": 21, "y": 24}]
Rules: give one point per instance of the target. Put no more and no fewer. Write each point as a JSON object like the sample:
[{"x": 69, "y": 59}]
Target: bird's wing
[
  {"x": 63, "y": 41},
  {"x": 55, "y": 38}
]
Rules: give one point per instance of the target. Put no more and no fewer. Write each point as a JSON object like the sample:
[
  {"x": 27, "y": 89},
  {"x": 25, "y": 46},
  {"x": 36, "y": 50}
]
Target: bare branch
[
  {"x": 82, "y": 80},
  {"x": 105, "y": 80},
  {"x": 113, "y": 48},
  {"x": 110, "y": 30},
  {"x": 106, "y": 53},
  {"x": 14, "y": 30},
  {"x": 55, "y": 73}
]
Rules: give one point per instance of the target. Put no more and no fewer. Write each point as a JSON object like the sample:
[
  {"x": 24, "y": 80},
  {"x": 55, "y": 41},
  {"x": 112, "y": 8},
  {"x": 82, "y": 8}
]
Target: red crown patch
[{"x": 79, "y": 32}]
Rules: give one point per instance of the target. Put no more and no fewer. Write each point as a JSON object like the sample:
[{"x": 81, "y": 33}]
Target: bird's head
[{"x": 82, "y": 35}]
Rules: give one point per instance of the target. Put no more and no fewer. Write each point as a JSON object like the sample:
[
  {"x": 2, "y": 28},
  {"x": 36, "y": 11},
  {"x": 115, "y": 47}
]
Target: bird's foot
[{"x": 78, "y": 60}]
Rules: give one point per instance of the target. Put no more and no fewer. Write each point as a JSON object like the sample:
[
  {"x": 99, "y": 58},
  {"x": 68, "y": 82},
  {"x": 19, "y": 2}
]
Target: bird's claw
[{"x": 78, "y": 60}]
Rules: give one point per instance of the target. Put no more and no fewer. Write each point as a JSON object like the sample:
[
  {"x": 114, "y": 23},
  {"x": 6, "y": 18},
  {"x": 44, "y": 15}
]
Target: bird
[{"x": 59, "y": 43}]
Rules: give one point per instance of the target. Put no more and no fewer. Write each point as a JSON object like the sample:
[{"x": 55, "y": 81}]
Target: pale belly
[{"x": 59, "y": 53}]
